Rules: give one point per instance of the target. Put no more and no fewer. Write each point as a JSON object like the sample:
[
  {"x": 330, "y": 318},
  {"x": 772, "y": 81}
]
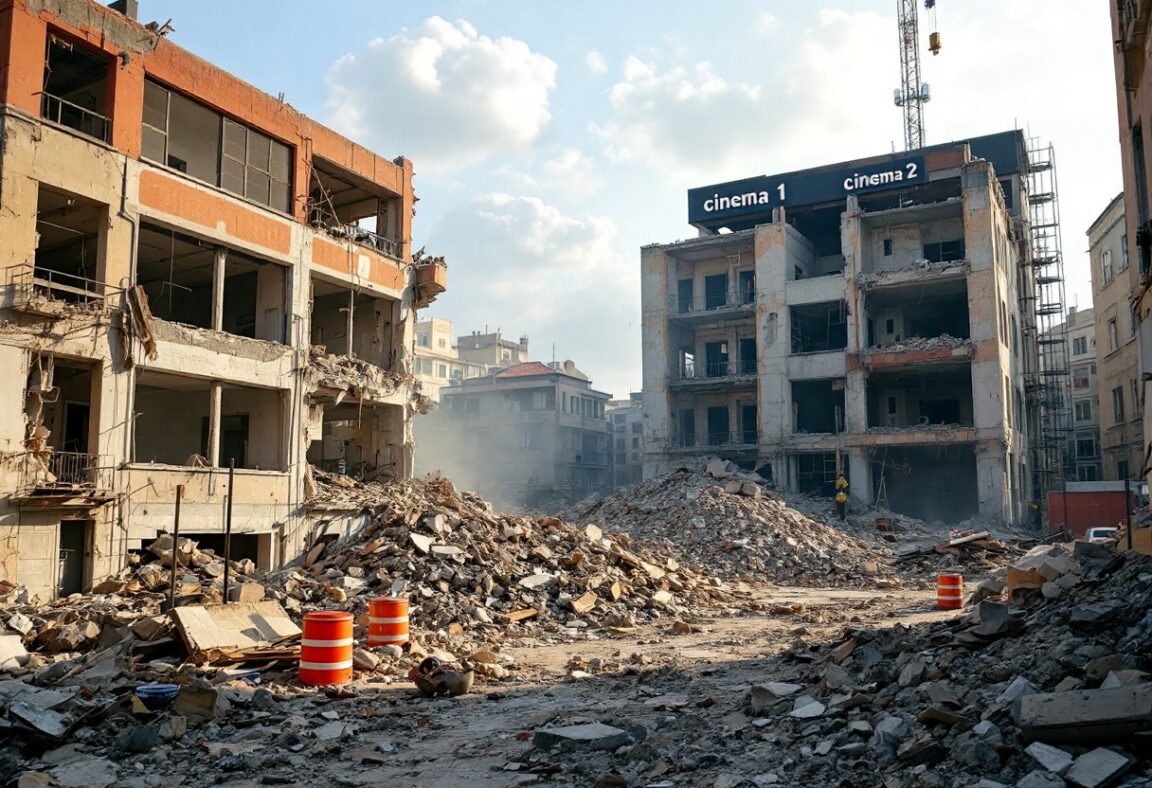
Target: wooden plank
[
  {"x": 234, "y": 626},
  {"x": 520, "y": 615},
  {"x": 1087, "y": 716}
]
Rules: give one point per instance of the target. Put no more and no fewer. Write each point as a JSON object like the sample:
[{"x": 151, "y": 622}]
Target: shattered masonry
[{"x": 176, "y": 301}]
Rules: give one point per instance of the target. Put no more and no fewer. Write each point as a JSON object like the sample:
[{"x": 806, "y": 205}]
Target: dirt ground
[{"x": 689, "y": 687}]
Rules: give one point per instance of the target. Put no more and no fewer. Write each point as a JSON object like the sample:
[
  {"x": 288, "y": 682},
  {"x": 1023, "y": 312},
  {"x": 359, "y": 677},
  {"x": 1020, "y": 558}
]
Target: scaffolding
[{"x": 1047, "y": 378}]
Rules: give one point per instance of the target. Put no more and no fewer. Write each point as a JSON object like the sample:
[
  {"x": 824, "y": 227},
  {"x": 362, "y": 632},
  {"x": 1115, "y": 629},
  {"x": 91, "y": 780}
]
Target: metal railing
[
  {"x": 717, "y": 369},
  {"x": 739, "y": 438},
  {"x": 60, "y": 469},
  {"x": 683, "y": 305},
  {"x": 29, "y": 282},
  {"x": 85, "y": 121},
  {"x": 364, "y": 237}
]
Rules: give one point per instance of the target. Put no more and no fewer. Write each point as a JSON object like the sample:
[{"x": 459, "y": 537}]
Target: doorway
[
  {"x": 75, "y": 555},
  {"x": 718, "y": 426}
]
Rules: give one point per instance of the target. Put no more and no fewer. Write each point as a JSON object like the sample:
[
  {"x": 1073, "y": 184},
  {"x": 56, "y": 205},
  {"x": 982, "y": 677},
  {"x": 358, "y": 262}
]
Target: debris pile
[
  {"x": 711, "y": 514},
  {"x": 968, "y": 551},
  {"x": 942, "y": 342},
  {"x": 1052, "y": 692},
  {"x": 464, "y": 567}
]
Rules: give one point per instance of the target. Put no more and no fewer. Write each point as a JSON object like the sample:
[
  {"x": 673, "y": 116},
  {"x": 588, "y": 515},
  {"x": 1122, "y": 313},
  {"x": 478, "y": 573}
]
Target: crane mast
[{"x": 912, "y": 94}]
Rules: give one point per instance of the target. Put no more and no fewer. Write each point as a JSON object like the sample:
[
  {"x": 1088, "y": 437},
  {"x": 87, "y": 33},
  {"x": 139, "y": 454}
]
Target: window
[
  {"x": 1135, "y": 396},
  {"x": 618, "y": 418},
  {"x": 442, "y": 371},
  {"x": 1117, "y": 404},
  {"x": 441, "y": 343},
  {"x": 180, "y": 133},
  {"x": 1080, "y": 378},
  {"x": 637, "y": 427},
  {"x": 1086, "y": 473},
  {"x": 619, "y": 443},
  {"x": 1086, "y": 447},
  {"x": 887, "y": 247},
  {"x": 1112, "y": 337},
  {"x": 1106, "y": 272},
  {"x": 1079, "y": 346},
  {"x": 944, "y": 250},
  {"x": 1084, "y": 411},
  {"x": 1124, "y": 252},
  {"x": 635, "y": 443},
  {"x": 422, "y": 339},
  {"x": 1122, "y": 469}
]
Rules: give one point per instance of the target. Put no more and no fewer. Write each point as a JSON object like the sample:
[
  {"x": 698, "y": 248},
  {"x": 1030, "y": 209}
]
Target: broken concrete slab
[
  {"x": 1098, "y": 768},
  {"x": 1050, "y": 758},
  {"x": 87, "y": 773},
  {"x": 1086, "y": 716},
  {"x": 590, "y": 736},
  {"x": 1123, "y": 678},
  {"x": 1038, "y": 778},
  {"x": 12, "y": 652}
]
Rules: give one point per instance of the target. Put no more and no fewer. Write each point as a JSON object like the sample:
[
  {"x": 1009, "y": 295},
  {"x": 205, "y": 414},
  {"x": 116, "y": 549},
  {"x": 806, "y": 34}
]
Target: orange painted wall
[
  {"x": 171, "y": 195},
  {"x": 335, "y": 257}
]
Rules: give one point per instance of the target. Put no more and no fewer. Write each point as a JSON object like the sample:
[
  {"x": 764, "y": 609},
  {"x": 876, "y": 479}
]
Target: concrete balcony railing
[
  {"x": 743, "y": 302},
  {"x": 739, "y": 439},
  {"x": 33, "y": 287},
  {"x": 47, "y": 472},
  {"x": 719, "y": 371}
]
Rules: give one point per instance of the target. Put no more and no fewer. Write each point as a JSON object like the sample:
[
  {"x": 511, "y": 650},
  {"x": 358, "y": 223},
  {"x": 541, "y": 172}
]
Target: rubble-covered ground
[{"x": 601, "y": 659}]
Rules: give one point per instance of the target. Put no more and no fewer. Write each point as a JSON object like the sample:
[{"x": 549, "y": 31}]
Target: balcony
[
  {"x": 712, "y": 307},
  {"x": 42, "y": 291},
  {"x": 943, "y": 349},
  {"x": 61, "y": 479},
  {"x": 431, "y": 279},
  {"x": 729, "y": 373},
  {"x": 65, "y": 113}
]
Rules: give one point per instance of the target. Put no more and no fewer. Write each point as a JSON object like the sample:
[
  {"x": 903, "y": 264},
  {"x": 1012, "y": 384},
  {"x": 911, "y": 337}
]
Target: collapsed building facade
[
  {"x": 196, "y": 276},
  {"x": 878, "y": 318}
]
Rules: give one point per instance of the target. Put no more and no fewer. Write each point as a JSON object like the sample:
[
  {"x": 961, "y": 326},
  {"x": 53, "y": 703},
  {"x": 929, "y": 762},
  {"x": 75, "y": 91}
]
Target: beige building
[
  {"x": 1117, "y": 353},
  {"x": 527, "y": 432},
  {"x": 627, "y": 419},
  {"x": 440, "y": 362},
  {"x": 878, "y": 317},
  {"x": 1084, "y": 439},
  {"x": 195, "y": 276}
]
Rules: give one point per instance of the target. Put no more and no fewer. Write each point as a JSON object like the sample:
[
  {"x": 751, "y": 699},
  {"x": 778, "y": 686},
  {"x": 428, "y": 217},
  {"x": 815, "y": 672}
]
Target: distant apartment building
[
  {"x": 1117, "y": 353},
  {"x": 439, "y": 361},
  {"x": 1084, "y": 439},
  {"x": 876, "y": 317},
  {"x": 627, "y": 419},
  {"x": 520, "y": 433},
  {"x": 196, "y": 276}
]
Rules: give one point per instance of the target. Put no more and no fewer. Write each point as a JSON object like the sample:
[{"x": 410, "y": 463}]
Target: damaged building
[
  {"x": 197, "y": 277},
  {"x": 877, "y": 317}
]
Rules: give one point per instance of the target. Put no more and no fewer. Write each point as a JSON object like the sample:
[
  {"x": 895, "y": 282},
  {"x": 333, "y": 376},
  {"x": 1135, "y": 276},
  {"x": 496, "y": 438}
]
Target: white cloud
[
  {"x": 567, "y": 171},
  {"x": 445, "y": 96},
  {"x": 595, "y": 62},
  {"x": 766, "y": 23},
  {"x": 521, "y": 264}
]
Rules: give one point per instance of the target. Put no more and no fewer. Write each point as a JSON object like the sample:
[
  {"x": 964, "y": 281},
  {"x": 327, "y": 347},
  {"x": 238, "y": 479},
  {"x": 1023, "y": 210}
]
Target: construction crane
[{"x": 912, "y": 94}]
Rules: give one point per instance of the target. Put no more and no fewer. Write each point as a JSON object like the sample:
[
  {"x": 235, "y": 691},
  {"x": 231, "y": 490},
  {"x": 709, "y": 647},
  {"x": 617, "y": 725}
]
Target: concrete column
[
  {"x": 218, "y": 262},
  {"x": 859, "y": 476},
  {"x": 990, "y": 466},
  {"x": 215, "y": 399},
  {"x": 351, "y": 322}
]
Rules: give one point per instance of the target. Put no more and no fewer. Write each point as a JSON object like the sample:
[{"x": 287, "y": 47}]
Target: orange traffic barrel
[
  {"x": 387, "y": 621},
  {"x": 950, "y": 592},
  {"x": 326, "y": 648}
]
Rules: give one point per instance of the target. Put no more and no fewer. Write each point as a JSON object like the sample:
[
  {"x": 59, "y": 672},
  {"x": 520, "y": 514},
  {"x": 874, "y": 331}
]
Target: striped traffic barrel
[
  {"x": 326, "y": 648},
  {"x": 387, "y": 621},
  {"x": 950, "y": 592}
]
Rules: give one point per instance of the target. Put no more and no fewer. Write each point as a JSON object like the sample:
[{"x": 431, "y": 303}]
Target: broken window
[
  {"x": 187, "y": 136},
  {"x": 350, "y": 206},
  {"x": 941, "y": 251},
  {"x": 818, "y": 406},
  {"x": 59, "y": 423},
  {"x": 819, "y": 327},
  {"x": 76, "y": 89},
  {"x": 715, "y": 291},
  {"x": 919, "y": 311},
  {"x": 67, "y": 264},
  {"x": 746, "y": 287},
  {"x": 179, "y": 274},
  {"x": 716, "y": 358},
  {"x": 364, "y": 440}
]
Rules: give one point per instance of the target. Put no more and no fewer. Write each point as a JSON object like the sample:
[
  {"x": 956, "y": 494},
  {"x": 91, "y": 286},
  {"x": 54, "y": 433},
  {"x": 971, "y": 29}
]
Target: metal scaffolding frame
[{"x": 1047, "y": 379}]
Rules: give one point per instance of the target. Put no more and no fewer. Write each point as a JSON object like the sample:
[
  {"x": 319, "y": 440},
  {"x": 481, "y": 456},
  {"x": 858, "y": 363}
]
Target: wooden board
[
  {"x": 234, "y": 626},
  {"x": 1086, "y": 716}
]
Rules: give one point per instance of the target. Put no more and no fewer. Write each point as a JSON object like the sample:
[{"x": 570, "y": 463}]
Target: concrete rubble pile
[
  {"x": 1043, "y": 694},
  {"x": 465, "y": 567},
  {"x": 942, "y": 342},
  {"x": 711, "y": 514}
]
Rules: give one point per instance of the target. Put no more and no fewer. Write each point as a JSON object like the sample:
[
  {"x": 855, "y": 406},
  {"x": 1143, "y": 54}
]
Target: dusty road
[{"x": 678, "y": 695}]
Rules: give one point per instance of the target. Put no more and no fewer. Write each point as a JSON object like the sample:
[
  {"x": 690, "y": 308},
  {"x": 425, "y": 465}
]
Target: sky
[{"x": 551, "y": 140}]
